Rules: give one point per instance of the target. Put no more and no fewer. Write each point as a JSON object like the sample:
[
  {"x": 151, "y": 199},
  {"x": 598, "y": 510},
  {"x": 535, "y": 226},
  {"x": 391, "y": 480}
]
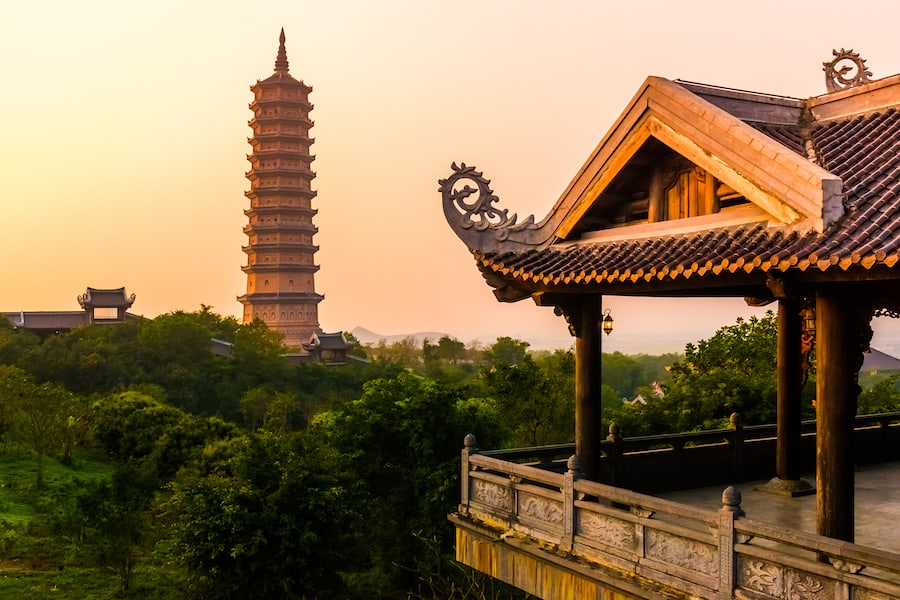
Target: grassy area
[
  {"x": 87, "y": 584},
  {"x": 35, "y": 560}
]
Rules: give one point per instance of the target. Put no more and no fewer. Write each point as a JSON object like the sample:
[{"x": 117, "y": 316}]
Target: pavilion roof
[
  {"x": 106, "y": 298},
  {"x": 822, "y": 176}
]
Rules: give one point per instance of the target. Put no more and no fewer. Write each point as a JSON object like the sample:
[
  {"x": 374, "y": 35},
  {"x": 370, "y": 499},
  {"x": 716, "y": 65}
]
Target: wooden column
[
  {"x": 787, "y": 454},
  {"x": 588, "y": 428},
  {"x": 836, "y": 394}
]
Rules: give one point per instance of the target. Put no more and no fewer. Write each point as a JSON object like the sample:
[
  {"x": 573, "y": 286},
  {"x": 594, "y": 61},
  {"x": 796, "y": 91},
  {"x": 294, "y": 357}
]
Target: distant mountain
[
  {"x": 875, "y": 360},
  {"x": 370, "y": 337}
]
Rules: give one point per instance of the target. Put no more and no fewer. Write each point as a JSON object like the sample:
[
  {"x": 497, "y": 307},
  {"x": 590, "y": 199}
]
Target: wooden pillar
[
  {"x": 836, "y": 394},
  {"x": 588, "y": 428},
  {"x": 787, "y": 453}
]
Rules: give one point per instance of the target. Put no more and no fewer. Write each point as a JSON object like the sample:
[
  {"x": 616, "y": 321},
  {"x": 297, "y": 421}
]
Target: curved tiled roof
[{"x": 862, "y": 151}]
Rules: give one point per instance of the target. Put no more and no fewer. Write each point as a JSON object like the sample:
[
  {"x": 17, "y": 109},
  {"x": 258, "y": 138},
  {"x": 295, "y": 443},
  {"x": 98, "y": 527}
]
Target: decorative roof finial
[
  {"x": 281, "y": 61},
  {"x": 836, "y": 78}
]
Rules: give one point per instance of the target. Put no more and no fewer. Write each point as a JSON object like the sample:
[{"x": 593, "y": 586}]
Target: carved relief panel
[{"x": 779, "y": 581}]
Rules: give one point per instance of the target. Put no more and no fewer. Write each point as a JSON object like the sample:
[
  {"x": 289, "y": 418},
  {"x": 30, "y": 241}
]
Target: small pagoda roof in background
[
  {"x": 328, "y": 341},
  {"x": 105, "y": 298}
]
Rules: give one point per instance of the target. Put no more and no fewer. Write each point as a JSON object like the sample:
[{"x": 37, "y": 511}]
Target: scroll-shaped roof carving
[{"x": 478, "y": 222}]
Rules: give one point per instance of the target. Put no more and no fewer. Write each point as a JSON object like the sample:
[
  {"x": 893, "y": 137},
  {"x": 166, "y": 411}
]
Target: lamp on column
[
  {"x": 607, "y": 323},
  {"x": 809, "y": 321}
]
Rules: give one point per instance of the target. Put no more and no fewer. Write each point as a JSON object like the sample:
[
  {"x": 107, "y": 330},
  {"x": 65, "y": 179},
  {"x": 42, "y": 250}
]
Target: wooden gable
[{"x": 673, "y": 155}]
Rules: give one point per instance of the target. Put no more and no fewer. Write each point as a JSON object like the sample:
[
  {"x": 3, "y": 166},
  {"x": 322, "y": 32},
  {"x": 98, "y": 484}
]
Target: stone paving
[{"x": 877, "y": 505}]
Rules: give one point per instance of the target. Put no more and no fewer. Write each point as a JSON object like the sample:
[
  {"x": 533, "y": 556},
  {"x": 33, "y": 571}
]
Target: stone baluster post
[
  {"x": 730, "y": 511},
  {"x": 470, "y": 447},
  {"x": 573, "y": 473},
  {"x": 616, "y": 460}
]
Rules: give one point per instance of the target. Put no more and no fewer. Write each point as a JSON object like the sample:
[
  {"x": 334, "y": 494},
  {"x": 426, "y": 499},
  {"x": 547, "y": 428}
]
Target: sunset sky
[{"x": 125, "y": 135}]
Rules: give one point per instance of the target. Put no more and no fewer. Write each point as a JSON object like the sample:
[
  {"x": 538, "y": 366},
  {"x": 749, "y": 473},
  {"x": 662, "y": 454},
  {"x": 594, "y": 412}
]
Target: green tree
[
  {"x": 15, "y": 343},
  {"x": 90, "y": 359},
  {"x": 128, "y": 425},
  {"x": 116, "y": 518},
  {"x": 175, "y": 350},
  {"x": 882, "y": 396},
  {"x": 733, "y": 371},
  {"x": 269, "y": 519},
  {"x": 40, "y": 413},
  {"x": 400, "y": 442},
  {"x": 536, "y": 400},
  {"x": 506, "y": 351}
]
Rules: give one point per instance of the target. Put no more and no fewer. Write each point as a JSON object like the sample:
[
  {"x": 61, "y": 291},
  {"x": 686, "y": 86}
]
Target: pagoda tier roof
[
  {"x": 281, "y": 79},
  {"x": 259, "y": 248},
  {"x": 279, "y": 267},
  {"x": 264, "y": 120},
  {"x": 282, "y": 226},
  {"x": 278, "y": 152},
  {"x": 280, "y": 190},
  {"x": 820, "y": 179},
  {"x": 289, "y": 209},
  {"x": 281, "y": 136},
  {"x": 281, "y": 101},
  {"x": 255, "y": 173},
  {"x": 283, "y": 297}
]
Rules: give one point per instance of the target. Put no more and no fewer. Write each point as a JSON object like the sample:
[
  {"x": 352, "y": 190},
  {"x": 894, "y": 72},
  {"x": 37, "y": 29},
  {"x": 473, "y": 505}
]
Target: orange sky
[{"x": 125, "y": 128}]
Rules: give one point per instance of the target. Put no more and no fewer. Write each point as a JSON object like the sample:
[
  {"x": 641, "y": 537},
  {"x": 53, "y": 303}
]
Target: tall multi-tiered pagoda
[{"x": 280, "y": 266}]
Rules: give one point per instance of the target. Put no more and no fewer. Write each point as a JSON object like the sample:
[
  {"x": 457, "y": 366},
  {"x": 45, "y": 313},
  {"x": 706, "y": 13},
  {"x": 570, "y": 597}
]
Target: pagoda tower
[{"x": 280, "y": 265}]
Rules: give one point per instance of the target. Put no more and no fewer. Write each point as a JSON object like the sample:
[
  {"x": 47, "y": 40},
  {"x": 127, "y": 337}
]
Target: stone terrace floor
[{"x": 877, "y": 505}]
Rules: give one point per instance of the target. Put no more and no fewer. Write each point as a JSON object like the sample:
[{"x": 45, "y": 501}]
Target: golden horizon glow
[{"x": 126, "y": 124}]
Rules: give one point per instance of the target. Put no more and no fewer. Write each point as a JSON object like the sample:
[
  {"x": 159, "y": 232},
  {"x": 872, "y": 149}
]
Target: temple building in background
[
  {"x": 98, "y": 307},
  {"x": 281, "y": 266}
]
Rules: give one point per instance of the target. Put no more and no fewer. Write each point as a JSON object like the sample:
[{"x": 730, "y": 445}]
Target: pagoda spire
[{"x": 281, "y": 61}]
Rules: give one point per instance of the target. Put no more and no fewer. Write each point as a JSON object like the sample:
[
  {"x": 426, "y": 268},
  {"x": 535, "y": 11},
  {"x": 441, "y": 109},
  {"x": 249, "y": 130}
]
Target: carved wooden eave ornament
[{"x": 787, "y": 189}]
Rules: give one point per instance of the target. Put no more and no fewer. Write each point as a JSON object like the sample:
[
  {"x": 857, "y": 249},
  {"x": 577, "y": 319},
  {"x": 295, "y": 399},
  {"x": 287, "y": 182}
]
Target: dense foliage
[{"x": 135, "y": 451}]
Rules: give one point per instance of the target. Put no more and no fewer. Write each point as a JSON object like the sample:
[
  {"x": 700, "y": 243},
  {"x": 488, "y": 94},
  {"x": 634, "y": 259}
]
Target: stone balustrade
[{"x": 554, "y": 535}]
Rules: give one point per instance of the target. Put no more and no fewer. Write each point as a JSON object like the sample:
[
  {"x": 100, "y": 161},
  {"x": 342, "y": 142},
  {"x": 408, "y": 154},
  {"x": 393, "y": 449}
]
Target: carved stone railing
[
  {"x": 701, "y": 553},
  {"x": 685, "y": 460}
]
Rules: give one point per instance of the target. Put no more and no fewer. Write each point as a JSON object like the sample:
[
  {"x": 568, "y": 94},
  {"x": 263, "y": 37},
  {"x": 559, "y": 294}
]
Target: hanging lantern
[
  {"x": 607, "y": 322},
  {"x": 809, "y": 321}
]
